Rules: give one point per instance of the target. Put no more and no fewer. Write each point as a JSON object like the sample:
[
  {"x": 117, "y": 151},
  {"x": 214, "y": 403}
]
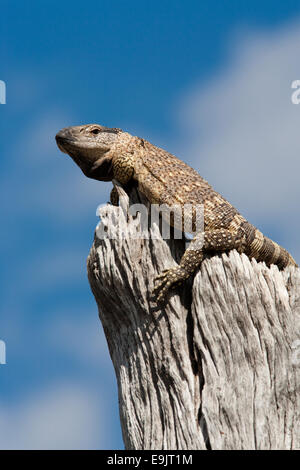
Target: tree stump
[{"x": 218, "y": 366}]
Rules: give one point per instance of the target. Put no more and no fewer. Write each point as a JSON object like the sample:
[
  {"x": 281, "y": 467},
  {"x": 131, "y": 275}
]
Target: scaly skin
[{"x": 105, "y": 154}]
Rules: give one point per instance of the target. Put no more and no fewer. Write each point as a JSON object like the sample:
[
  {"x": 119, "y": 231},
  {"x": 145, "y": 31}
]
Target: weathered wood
[{"x": 219, "y": 366}]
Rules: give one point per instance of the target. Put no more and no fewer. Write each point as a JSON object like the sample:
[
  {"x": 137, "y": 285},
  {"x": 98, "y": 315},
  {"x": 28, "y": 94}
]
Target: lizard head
[{"x": 88, "y": 146}]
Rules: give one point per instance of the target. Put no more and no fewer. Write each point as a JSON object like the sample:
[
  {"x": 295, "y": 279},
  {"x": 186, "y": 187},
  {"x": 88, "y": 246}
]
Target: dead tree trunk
[{"x": 218, "y": 367}]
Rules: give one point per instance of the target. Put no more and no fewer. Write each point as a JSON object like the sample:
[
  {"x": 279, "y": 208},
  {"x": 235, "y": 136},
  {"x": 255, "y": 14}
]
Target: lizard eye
[{"x": 95, "y": 131}]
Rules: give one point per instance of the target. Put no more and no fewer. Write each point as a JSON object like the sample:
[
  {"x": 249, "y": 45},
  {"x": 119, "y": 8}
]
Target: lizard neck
[{"x": 116, "y": 163}]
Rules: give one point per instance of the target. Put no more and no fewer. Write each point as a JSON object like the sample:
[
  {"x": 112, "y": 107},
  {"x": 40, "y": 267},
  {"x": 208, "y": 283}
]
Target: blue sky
[{"x": 209, "y": 81}]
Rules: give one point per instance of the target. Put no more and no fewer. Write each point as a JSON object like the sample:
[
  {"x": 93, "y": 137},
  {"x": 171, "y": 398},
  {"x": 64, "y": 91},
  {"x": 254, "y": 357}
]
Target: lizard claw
[{"x": 166, "y": 281}]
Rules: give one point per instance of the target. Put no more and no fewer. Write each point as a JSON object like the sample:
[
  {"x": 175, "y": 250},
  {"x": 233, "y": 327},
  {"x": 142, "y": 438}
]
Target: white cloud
[
  {"x": 243, "y": 132},
  {"x": 63, "y": 417}
]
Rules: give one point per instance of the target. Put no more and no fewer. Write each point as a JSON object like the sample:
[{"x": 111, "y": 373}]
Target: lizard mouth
[
  {"x": 61, "y": 141},
  {"x": 87, "y": 155}
]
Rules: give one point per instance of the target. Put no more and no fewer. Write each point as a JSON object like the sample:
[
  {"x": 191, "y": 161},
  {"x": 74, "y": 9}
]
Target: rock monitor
[{"x": 105, "y": 154}]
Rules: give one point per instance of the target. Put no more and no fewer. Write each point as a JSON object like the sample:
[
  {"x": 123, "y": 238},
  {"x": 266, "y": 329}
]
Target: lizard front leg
[
  {"x": 114, "y": 196},
  {"x": 123, "y": 169},
  {"x": 216, "y": 240}
]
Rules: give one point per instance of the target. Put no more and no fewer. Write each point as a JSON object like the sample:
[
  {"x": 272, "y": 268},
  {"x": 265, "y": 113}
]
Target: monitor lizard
[{"x": 105, "y": 154}]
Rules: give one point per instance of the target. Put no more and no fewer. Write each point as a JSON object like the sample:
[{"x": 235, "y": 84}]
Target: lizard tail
[{"x": 264, "y": 249}]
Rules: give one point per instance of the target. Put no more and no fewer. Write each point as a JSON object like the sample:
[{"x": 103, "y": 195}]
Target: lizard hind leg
[{"x": 212, "y": 241}]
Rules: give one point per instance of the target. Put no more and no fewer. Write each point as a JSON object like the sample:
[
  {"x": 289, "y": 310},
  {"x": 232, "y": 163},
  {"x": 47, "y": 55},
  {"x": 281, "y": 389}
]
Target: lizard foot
[
  {"x": 169, "y": 279},
  {"x": 114, "y": 197}
]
